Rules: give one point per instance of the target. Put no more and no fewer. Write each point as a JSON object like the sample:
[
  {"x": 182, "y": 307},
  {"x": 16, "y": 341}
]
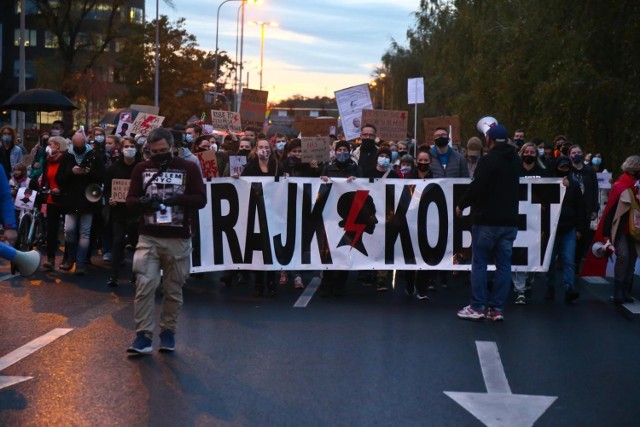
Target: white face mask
[
  {"x": 129, "y": 152},
  {"x": 264, "y": 153},
  {"x": 214, "y": 148},
  {"x": 48, "y": 150}
]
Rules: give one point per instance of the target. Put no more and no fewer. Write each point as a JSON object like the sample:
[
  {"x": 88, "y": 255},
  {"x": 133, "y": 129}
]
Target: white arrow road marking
[
  {"x": 499, "y": 407},
  {"x": 306, "y": 296},
  {"x": 24, "y": 351}
]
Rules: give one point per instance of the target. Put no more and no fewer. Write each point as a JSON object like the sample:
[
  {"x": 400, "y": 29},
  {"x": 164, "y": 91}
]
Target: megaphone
[
  {"x": 485, "y": 123},
  {"x": 601, "y": 250},
  {"x": 93, "y": 193},
  {"x": 26, "y": 263}
]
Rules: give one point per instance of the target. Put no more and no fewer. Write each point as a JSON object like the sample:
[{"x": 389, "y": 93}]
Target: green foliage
[{"x": 548, "y": 66}]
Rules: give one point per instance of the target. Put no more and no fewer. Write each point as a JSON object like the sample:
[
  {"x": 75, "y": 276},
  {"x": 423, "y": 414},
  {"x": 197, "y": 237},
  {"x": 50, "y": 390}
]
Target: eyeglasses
[{"x": 368, "y": 134}]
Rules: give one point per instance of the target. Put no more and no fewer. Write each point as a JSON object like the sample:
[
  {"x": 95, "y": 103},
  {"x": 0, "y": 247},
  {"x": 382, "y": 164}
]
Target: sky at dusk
[{"x": 318, "y": 47}]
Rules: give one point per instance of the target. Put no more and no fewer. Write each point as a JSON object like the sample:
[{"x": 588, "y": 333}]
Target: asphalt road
[{"x": 367, "y": 358}]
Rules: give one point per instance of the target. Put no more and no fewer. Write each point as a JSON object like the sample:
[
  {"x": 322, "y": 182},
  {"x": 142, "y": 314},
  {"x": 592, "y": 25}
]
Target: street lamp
[
  {"x": 262, "y": 25},
  {"x": 215, "y": 79}
]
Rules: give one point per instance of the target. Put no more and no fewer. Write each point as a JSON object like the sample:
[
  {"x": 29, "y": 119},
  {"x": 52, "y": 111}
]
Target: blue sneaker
[
  {"x": 167, "y": 341},
  {"x": 141, "y": 345}
]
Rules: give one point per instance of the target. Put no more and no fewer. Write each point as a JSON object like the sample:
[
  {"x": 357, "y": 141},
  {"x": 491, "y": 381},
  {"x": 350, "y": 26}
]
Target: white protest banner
[
  {"x": 415, "y": 90},
  {"x": 119, "y": 190},
  {"x": 253, "y": 107},
  {"x": 236, "y": 165},
  {"x": 391, "y": 125},
  {"x": 145, "y": 123},
  {"x": 305, "y": 224},
  {"x": 315, "y": 148},
  {"x": 351, "y": 101},
  {"x": 25, "y": 198},
  {"x": 208, "y": 164},
  {"x": 226, "y": 120}
]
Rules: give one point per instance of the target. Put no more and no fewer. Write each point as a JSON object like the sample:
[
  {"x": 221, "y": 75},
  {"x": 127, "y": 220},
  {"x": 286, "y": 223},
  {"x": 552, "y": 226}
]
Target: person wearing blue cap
[{"x": 493, "y": 198}]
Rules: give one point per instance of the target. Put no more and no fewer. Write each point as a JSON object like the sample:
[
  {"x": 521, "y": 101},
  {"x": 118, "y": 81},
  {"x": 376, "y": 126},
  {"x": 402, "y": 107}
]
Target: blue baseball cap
[{"x": 498, "y": 133}]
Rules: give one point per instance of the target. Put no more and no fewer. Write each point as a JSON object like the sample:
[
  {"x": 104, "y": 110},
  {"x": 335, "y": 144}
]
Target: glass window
[
  {"x": 51, "y": 40},
  {"x": 29, "y": 69},
  {"x": 30, "y": 7},
  {"x": 136, "y": 15},
  {"x": 29, "y": 35},
  {"x": 100, "y": 11}
]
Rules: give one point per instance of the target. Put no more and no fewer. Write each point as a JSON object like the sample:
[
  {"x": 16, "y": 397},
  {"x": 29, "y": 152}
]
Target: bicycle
[{"x": 32, "y": 225}]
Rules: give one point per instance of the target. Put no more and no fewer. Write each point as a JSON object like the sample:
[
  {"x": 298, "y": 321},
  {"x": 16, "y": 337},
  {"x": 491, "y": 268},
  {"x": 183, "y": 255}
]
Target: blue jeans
[
  {"x": 77, "y": 246},
  {"x": 565, "y": 248},
  {"x": 491, "y": 243}
]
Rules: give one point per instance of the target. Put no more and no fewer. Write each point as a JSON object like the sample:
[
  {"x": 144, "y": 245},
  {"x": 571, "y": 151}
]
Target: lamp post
[
  {"x": 215, "y": 78},
  {"x": 262, "y": 25},
  {"x": 157, "y": 71},
  {"x": 382, "y": 83}
]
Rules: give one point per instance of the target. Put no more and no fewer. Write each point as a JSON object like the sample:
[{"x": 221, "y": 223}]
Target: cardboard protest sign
[
  {"x": 226, "y": 120},
  {"x": 145, "y": 123},
  {"x": 351, "y": 101},
  {"x": 391, "y": 125},
  {"x": 25, "y": 198},
  {"x": 208, "y": 164},
  {"x": 236, "y": 165},
  {"x": 253, "y": 107},
  {"x": 26, "y": 159},
  {"x": 312, "y": 126},
  {"x": 119, "y": 190},
  {"x": 430, "y": 124},
  {"x": 315, "y": 148}
]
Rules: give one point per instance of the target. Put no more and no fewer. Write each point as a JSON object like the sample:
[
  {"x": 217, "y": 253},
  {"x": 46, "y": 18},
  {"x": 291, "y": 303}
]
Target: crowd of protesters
[{"x": 78, "y": 170}]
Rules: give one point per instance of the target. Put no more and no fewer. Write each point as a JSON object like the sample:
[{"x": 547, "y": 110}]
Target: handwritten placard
[
  {"x": 208, "y": 163},
  {"x": 315, "y": 148},
  {"x": 312, "y": 126},
  {"x": 236, "y": 165},
  {"x": 391, "y": 125},
  {"x": 145, "y": 123},
  {"x": 430, "y": 124},
  {"x": 226, "y": 120},
  {"x": 119, "y": 190},
  {"x": 253, "y": 107}
]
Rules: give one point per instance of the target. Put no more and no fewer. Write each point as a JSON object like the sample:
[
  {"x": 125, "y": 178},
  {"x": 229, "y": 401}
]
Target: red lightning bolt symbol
[
  {"x": 147, "y": 121},
  {"x": 356, "y": 207}
]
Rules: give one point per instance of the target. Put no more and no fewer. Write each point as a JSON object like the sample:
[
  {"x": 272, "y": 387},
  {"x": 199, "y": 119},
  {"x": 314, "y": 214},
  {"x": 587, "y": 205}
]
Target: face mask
[
  {"x": 596, "y": 161},
  {"x": 129, "y": 152},
  {"x": 80, "y": 150},
  {"x": 56, "y": 132},
  {"x": 394, "y": 156},
  {"x": 423, "y": 167},
  {"x": 578, "y": 158},
  {"x": 280, "y": 145},
  {"x": 214, "y": 148},
  {"x": 368, "y": 143},
  {"x": 540, "y": 152},
  {"x": 405, "y": 169},
  {"x": 99, "y": 138},
  {"x": 264, "y": 153},
  {"x": 519, "y": 142},
  {"x": 401, "y": 153},
  {"x": 108, "y": 148},
  {"x": 384, "y": 162},
  {"x": 161, "y": 159},
  {"x": 342, "y": 157},
  {"x": 48, "y": 150},
  {"x": 442, "y": 142},
  {"x": 529, "y": 159},
  {"x": 7, "y": 139},
  {"x": 188, "y": 138},
  {"x": 244, "y": 152}
]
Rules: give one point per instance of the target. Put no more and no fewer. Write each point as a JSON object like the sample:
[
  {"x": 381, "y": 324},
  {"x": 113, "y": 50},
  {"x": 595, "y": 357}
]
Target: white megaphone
[
  {"x": 93, "y": 193},
  {"x": 601, "y": 250},
  {"x": 485, "y": 123},
  {"x": 26, "y": 263}
]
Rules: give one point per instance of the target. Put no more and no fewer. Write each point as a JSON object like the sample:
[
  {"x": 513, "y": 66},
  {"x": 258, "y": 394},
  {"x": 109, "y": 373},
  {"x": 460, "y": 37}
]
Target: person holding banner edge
[{"x": 493, "y": 198}]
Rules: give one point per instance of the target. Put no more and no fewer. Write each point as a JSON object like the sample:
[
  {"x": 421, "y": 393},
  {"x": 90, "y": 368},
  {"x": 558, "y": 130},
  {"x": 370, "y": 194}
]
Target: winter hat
[
  {"x": 474, "y": 146},
  {"x": 342, "y": 143}
]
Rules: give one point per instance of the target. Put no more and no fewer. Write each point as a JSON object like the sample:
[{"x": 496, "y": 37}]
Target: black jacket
[
  {"x": 587, "y": 180},
  {"x": 73, "y": 186},
  {"x": 572, "y": 212},
  {"x": 493, "y": 192},
  {"x": 342, "y": 169}
]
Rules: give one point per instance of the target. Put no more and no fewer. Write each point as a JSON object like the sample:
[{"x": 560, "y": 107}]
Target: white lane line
[
  {"x": 492, "y": 370},
  {"x": 31, "y": 347},
  {"x": 596, "y": 280},
  {"x": 7, "y": 277},
  {"x": 306, "y": 296}
]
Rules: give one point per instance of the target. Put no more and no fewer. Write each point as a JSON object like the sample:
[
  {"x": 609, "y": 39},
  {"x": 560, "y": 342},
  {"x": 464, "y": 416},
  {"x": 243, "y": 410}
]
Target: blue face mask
[
  {"x": 394, "y": 156},
  {"x": 280, "y": 145},
  {"x": 188, "y": 138},
  {"x": 7, "y": 138},
  {"x": 405, "y": 169},
  {"x": 384, "y": 162},
  {"x": 596, "y": 161},
  {"x": 342, "y": 157}
]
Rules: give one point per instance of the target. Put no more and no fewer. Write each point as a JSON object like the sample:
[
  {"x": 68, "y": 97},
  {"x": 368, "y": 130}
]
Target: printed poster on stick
[
  {"x": 145, "y": 123},
  {"x": 351, "y": 101},
  {"x": 432, "y": 123},
  {"x": 315, "y": 148},
  {"x": 391, "y": 125},
  {"x": 253, "y": 107},
  {"x": 226, "y": 120},
  {"x": 208, "y": 164},
  {"x": 119, "y": 190}
]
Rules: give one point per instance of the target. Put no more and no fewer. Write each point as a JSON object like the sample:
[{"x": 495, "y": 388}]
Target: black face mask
[
  {"x": 368, "y": 145},
  {"x": 161, "y": 159},
  {"x": 519, "y": 142},
  {"x": 401, "y": 153},
  {"x": 529, "y": 159},
  {"x": 423, "y": 167},
  {"x": 442, "y": 142},
  {"x": 80, "y": 150},
  {"x": 243, "y": 152}
]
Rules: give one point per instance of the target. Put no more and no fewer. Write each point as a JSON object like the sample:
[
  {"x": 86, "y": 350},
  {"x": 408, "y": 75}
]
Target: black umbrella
[{"x": 39, "y": 100}]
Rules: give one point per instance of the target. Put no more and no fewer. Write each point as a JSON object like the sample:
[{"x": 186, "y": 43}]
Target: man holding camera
[{"x": 166, "y": 190}]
